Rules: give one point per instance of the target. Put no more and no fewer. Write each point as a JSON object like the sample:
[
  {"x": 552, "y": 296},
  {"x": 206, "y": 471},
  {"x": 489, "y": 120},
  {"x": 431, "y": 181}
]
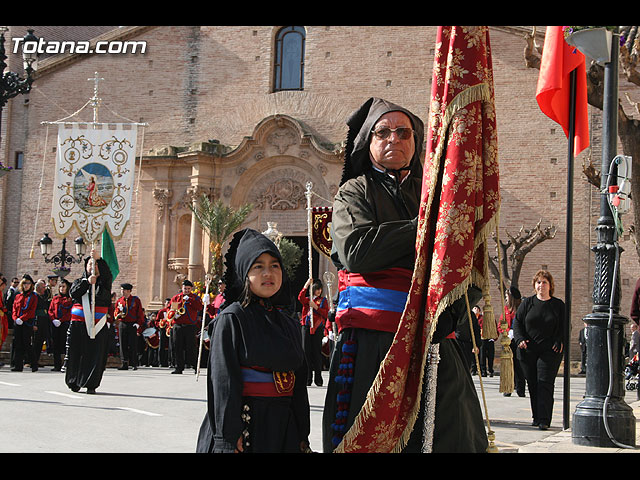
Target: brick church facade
[{"x": 220, "y": 122}]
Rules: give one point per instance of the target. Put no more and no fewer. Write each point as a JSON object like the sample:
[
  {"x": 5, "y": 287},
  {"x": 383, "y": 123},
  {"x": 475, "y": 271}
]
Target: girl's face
[
  {"x": 63, "y": 288},
  {"x": 265, "y": 276}
]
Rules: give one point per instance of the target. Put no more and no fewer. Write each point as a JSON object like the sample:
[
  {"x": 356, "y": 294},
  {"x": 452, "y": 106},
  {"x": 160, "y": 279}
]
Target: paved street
[{"x": 152, "y": 411}]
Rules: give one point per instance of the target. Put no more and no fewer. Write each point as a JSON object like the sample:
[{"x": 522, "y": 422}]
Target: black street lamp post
[
  {"x": 603, "y": 419},
  {"x": 63, "y": 258},
  {"x": 11, "y": 84}
]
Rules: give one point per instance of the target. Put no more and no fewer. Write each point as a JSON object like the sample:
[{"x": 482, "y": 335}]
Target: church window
[{"x": 289, "y": 59}]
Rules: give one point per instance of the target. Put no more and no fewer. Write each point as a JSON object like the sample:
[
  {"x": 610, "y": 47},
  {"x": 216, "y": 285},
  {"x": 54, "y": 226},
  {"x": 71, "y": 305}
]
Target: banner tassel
[{"x": 507, "y": 375}]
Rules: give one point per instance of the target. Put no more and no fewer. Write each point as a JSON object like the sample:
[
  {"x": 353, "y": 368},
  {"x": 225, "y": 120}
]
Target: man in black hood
[{"x": 374, "y": 227}]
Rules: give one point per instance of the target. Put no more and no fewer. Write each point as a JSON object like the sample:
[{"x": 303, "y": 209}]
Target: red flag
[{"x": 559, "y": 59}]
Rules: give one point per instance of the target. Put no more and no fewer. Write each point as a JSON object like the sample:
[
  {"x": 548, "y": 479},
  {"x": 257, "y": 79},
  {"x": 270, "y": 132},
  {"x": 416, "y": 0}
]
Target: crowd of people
[
  {"x": 48, "y": 316},
  {"x": 262, "y": 354}
]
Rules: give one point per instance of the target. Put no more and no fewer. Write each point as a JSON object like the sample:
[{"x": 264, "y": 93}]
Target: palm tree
[{"x": 220, "y": 221}]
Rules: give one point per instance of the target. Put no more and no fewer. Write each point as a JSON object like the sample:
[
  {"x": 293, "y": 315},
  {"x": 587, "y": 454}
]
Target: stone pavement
[{"x": 562, "y": 442}]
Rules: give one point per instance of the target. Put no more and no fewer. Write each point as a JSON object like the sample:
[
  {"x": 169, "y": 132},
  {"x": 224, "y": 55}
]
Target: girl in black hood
[{"x": 256, "y": 387}]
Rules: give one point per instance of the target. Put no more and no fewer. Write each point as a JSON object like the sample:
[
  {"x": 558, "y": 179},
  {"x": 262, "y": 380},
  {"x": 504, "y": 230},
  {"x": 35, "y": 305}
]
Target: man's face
[
  {"x": 186, "y": 289},
  {"x": 392, "y": 152},
  {"x": 125, "y": 292}
]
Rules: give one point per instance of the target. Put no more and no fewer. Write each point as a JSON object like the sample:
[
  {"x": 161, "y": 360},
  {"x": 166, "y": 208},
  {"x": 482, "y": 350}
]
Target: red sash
[{"x": 258, "y": 382}]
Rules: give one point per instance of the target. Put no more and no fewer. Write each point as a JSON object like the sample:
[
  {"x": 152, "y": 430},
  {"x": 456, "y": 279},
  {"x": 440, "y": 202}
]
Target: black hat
[
  {"x": 52, "y": 276},
  {"x": 187, "y": 283},
  {"x": 515, "y": 293},
  {"x": 360, "y": 123},
  {"x": 126, "y": 286},
  {"x": 245, "y": 247},
  {"x": 26, "y": 276}
]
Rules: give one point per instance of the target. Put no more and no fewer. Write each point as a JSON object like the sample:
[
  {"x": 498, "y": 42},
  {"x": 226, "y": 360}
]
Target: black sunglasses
[{"x": 404, "y": 133}]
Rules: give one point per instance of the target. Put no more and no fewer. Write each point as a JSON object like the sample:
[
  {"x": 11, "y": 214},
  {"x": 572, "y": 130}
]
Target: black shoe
[
  {"x": 318, "y": 379},
  {"x": 506, "y": 394},
  {"x": 521, "y": 394},
  {"x": 135, "y": 368},
  {"x": 491, "y": 374},
  {"x": 177, "y": 371},
  {"x": 543, "y": 426},
  {"x": 125, "y": 366},
  {"x": 91, "y": 391},
  {"x": 74, "y": 388}
]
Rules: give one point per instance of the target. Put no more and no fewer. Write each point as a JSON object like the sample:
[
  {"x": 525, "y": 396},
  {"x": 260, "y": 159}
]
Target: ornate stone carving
[
  {"x": 161, "y": 197},
  {"x": 283, "y": 194},
  {"x": 194, "y": 192},
  {"x": 282, "y": 139}
]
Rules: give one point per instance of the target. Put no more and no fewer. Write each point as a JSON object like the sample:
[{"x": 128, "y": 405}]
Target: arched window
[{"x": 289, "y": 59}]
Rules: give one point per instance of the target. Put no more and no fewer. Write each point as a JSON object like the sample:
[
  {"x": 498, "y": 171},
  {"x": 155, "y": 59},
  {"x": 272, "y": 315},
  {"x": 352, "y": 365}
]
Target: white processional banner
[{"x": 94, "y": 179}]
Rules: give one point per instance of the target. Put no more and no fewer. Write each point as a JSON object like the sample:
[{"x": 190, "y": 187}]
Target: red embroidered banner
[
  {"x": 321, "y": 229},
  {"x": 460, "y": 200}
]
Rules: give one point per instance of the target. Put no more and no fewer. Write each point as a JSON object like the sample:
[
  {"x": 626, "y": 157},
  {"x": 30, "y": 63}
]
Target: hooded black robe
[
  {"x": 86, "y": 358},
  {"x": 374, "y": 227},
  {"x": 262, "y": 335}
]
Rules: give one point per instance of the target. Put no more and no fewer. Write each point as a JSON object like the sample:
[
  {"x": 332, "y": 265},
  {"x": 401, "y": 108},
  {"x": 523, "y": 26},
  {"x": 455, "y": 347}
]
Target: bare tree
[{"x": 514, "y": 250}]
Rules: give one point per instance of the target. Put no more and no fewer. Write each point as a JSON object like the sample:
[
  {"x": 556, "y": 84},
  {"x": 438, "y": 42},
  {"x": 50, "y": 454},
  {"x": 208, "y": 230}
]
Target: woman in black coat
[{"x": 538, "y": 331}]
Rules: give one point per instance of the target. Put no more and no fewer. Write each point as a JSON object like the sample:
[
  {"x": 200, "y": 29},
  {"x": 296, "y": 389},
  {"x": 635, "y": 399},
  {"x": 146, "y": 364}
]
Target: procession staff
[
  {"x": 130, "y": 313},
  {"x": 186, "y": 306},
  {"x": 86, "y": 356},
  {"x": 60, "y": 314},
  {"x": 24, "y": 318}
]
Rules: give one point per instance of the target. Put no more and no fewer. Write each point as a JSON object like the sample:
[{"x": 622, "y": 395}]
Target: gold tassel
[
  {"x": 489, "y": 328},
  {"x": 507, "y": 377}
]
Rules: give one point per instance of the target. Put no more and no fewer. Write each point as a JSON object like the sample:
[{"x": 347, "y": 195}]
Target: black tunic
[
  {"x": 87, "y": 357},
  {"x": 254, "y": 336}
]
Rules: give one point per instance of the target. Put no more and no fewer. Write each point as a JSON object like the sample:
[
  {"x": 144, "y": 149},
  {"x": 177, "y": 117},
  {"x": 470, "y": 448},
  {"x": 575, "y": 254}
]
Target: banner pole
[{"x": 309, "y": 233}]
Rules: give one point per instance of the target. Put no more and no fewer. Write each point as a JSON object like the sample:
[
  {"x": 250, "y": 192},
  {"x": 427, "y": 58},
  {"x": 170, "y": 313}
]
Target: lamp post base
[{"x": 588, "y": 427}]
